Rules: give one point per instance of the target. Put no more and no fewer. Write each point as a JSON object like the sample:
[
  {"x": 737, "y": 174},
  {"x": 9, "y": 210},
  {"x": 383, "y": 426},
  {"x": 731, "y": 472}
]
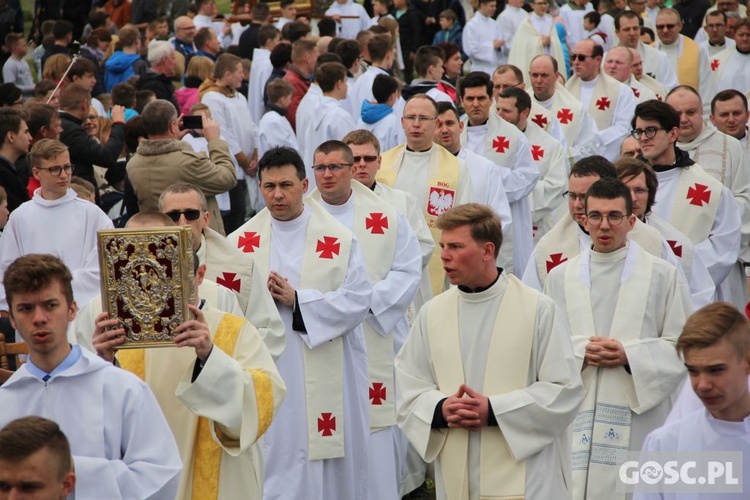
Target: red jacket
[{"x": 300, "y": 84}]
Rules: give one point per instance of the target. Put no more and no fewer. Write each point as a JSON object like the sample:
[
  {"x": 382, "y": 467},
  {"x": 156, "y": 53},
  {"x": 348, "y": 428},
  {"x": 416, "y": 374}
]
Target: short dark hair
[
  {"x": 260, "y": 11},
  {"x": 657, "y": 111},
  {"x": 81, "y": 67},
  {"x": 333, "y": 146},
  {"x": 445, "y": 106},
  {"x": 281, "y": 55},
  {"x": 484, "y": 224},
  {"x": 267, "y": 32},
  {"x": 286, "y": 3},
  {"x": 475, "y": 79},
  {"x": 281, "y": 156},
  {"x": 134, "y": 131},
  {"x": 123, "y": 94},
  {"x": 39, "y": 115},
  {"x": 128, "y": 36},
  {"x": 294, "y": 31},
  {"x": 327, "y": 27},
  {"x": 23, "y": 437},
  {"x": 523, "y": 101},
  {"x": 627, "y": 168},
  {"x": 383, "y": 87},
  {"x": 645, "y": 30},
  {"x": 157, "y": 115},
  {"x": 328, "y": 74},
  {"x": 202, "y": 36},
  {"x": 448, "y": 49},
  {"x": 726, "y": 95},
  {"x": 10, "y": 121},
  {"x": 142, "y": 98},
  {"x": 379, "y": 46},
  {"x": 627, "y": 14},
  {"x": 717, "y": 13},
  {"x": 9, "y": 94},
  {"x": 593, "y": 17},
  {"x": 609, "y": 189},
  {"x": 32, "y": 272},
  {"x": 593, "y": 165},
  {"x": 427, "y": 56},
  {"x": 278, "y": 88},
  {"x": 349, "y": 52},
  {"x": 62, "y": 29},
  {"x": 327, "y": 57}
]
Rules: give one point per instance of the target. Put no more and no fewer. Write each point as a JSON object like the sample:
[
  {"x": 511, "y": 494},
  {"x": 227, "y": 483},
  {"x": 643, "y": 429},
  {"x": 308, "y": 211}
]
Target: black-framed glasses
[
  {"x": 58, "y": 169},
  {"x": 366, "y": 158},
  {"x": 190, "y": 214},
  {"x": 613, "y": 218},
  {"x": 574, "y": 196},
  {"x": 649, "y": 132},
  {"x": 666, "y": 26},
  {"x": 579, "y": 57},
  {"x": 333, "y": 167}
]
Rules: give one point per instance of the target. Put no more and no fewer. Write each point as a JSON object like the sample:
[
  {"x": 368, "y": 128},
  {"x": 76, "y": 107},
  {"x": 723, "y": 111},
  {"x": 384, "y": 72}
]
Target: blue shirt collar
[{"x": 71, "y": 359}]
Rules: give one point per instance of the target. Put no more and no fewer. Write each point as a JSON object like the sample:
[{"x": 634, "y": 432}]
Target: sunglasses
[
  {"x": 190, "y": 214},
  {"x": 668, "y": 26},
  {"x": 367, "y": 159},
  {"x": 579, "y": 57}
]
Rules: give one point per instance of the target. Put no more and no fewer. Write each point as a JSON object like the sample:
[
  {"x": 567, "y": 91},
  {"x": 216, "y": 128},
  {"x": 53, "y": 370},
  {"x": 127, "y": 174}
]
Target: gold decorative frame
[{"x": 147, "y": 279}]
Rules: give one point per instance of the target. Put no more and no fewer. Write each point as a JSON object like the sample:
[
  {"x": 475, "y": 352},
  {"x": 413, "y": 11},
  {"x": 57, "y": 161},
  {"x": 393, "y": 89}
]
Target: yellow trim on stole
[{"x": 263, "y": 399}]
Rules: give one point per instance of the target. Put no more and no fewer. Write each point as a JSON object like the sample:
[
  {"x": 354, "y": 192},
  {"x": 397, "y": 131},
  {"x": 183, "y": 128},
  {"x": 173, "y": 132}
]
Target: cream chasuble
[
  {"x": 630, "y": 296},
  {"x": 696, "y": 201},
  {"x": 218, "y": 418},
  {"x": 655, "y": 86},
  {"x": 732, "y": 70},
  {"x": 527, "y": 44},
  {"x": 569, "y": 112},
  {"x": 640, "y": 91},
  {"x": 603, "y": 100}
]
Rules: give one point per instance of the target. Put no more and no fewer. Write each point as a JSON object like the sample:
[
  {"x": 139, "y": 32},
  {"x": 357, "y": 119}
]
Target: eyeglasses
[
  {"x": 186, "y": 28},
  {"x": 649, "y": 132},
  {"x": 367, "y": 159},
  {"x": 190, "y": 214},
  {"x": 92, "y": 117},
  {"x": 574, "y": 196},
  {"x": 415, "y": 118},
  {"x": 668, "y": 26},
  {"x": 333, "y": 167},
  {"x": 595, "y": 218},
  {"x": 579, "y": 57},
  {"x": 57, "y": 169},
  {"x": 639, "y": 191}
]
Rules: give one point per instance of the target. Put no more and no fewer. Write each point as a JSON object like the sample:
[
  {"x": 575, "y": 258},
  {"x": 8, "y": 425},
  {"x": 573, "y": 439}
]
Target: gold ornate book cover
[{"x": 147, "y": 277}]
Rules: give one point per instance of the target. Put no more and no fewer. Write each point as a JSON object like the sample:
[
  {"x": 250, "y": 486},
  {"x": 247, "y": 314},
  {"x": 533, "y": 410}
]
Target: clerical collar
[
  {"x": 420, "y": 151},
  {"x": 68, "y": 362},
  {"x": 682, "y": 160},
  {"x": 457, "y": 152},
  {"x": 372, "y": 188},
  {"x": 466, "y": 289},
  {"x": 479, "y": 125},
  {"x": 717, "y": 44}
]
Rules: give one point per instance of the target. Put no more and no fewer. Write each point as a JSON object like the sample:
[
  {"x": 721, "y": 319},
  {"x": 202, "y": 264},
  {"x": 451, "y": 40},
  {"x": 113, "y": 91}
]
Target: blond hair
[
  {"x": 713, "y": 323},
  {"x": 44, "y": 150}
]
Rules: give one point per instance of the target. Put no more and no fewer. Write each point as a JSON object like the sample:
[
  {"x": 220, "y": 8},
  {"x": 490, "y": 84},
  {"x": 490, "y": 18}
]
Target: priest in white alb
[
  {"x": 487, "y": 381},
  {"x": 316, "y": 448},
  {"x": 732, "y": 65},
  {"x": 625, "y": 309}
]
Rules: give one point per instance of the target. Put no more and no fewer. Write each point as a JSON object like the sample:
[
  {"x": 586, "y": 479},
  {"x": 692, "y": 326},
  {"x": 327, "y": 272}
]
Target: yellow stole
[
  {"x": 501, "y": 476},
  {"x": 442, "y": 181},
  {"x": 687, "y": 63},
  {"x": 324, "y": 265},
  {"x": 376, "y": 227}
]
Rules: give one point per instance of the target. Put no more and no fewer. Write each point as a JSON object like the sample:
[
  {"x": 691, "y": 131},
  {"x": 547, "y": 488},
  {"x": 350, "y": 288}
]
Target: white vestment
[
  {"x": 478, "y": 37},
  {"x": 533, "y": 420},
  {"x": 305, "y": 118},
  {"x": 715, "y": 49},
  {"x": 656, "y": 65},
  {"x": 388, "y": 130},
  {"x": 391, "y": 296},
  {"x": 637, "y": 299},
  {"x": 260, "y": 72},
  {"x": 361, "y": 91},
  {"x": 577, "y": 124},
  {"x": 640, "y": 91},
  {"x": 121, "y": 444},
  {"x": 698, "y": 432},
  {"x": 508, "y": 22},
  {"x": 329, "y": 121},
  {"x": 656, "y": 86},
  {"x": 275, "y": 130},
  {"x": 528, "y": 38},
  {"x": 348, "y": 28},
  {"x": 573, "y": 21},
  {"x": 337, "y": 314},
  {"x": 66, "y": 228},
  {"x": 707, "y": 83},
  {"x": 733, "y": 70}
]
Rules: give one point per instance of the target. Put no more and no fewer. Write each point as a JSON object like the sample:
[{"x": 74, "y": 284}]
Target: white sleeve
[
  {"x": 531, "y": 274},
  {"x": 478, "y": 46},
  {"x": 520, "y": 180},
  {"x": 720, "y": 250}
]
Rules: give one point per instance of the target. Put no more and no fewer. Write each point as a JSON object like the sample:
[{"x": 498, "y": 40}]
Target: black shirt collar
[{"x": 466, "y": 289}]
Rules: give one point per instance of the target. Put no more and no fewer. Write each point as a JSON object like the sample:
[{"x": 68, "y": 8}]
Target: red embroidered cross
[
  {"x": 540, "y": 120},
  {"x": 500, "y": 143},
  {"x": 565, "y": 116},
  {"x": 636, "y": 92},
  {"x": 676, "y": 248},
  {"x": 377, "y": 393},
  {"x": 327, "y": 424},
  {"x": 376, "y": 223},
  {"x": 555, "y": 260},
  {"x": 714, "y": 65},
  {"x": 328, "y": 247},
  {"x": 603, "y": 103},
  {"x": 537, "y": 152},
  {"x": 228, "y": 280},
  {"x": 249, "y": 241},
  {"x": 698, "y": 195}
]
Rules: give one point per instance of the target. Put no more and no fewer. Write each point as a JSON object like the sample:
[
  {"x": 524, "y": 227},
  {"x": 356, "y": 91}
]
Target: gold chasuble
[
  {"x": 376, "y": 228},
  {"x": 442, "y": 188},
  {"x": 688, "y": 63},
  {"x": 501, "y": 476},
  {"x": 324, "y": 265}
]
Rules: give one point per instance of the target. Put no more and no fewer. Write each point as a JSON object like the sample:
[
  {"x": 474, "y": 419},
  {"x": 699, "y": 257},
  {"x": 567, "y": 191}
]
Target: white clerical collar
[
  {"x": 618, "y": 254},
  {"x": 69, "y": 196}
]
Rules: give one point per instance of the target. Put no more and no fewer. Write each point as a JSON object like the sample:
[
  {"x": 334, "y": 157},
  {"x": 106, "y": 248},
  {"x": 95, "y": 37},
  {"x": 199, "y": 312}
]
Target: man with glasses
[
  {"x": 184, "y": 33},
  {"x": 316, "y": 274},
  {"x": 690, "y": 199},
  {"x": 431, "y": 173},
  {"x": 607, "y": 100},
  {"x": 488, "y": 135},
  {"x": 713, "y": 36},
  {"x": 625, "y": 309},
  {"x": 163, "y": 159},
  {"x": 56, "y": 221},
  {"x": 688, "y": 59},
  {"x": 394, "y": 264},
  {"x": 732, "y": 66}
]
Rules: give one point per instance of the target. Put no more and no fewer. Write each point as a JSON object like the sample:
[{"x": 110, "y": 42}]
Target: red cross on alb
[
  {"x": 603, "y": 103},
  {"x": 698, "y": 195},
  {"x": 326, "y": 424},
  {"x": 555, "y": 260},
  {"x": 714, "y": 64},
  {"x": 228, "y": 280},
  {"x": 500, "y": 143},
  {"x": 565, "y": 116},
  {"x": 636, "y": 92},
  {"x": 328, "y": 247},
  {"x": 540, "y": 120},
  {"x": 249, "y": 241},
  {"x": 676, "y": 248},
  {"x": 377, "y": 393},
  {"x": 376, "y": 222},
  {"x": 537, "y": 152}
]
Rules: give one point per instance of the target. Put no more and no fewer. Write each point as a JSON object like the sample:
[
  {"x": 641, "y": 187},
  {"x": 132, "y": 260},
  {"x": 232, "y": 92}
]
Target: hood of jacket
[
  {"x": 120, "y": 62},
  {"x": 373, "y": 113},
  {"x": 418, "y": 86}
]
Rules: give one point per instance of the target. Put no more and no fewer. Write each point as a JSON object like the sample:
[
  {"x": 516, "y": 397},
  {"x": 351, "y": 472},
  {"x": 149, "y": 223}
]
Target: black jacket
[
  {"x": 159, "y": 84},
  {"x": 11, "y": 182},
  {"x": 85, "y": 151}
]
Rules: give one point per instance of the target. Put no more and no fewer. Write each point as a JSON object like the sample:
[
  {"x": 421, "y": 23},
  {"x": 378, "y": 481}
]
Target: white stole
[
  {"x": 603, "y": 99},
  {"x": 696, "y": 202}
]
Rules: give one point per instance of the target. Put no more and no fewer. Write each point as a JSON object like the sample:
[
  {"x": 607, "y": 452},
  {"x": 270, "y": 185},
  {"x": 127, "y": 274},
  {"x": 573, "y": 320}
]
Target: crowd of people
[{"x": 441, "y": 248}]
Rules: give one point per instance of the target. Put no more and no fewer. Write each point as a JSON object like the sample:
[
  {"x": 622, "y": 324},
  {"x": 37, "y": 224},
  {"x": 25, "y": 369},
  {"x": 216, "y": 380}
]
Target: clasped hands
[
  {"x": 605, "y": 352},
  {"x": 466, "y": 409}
]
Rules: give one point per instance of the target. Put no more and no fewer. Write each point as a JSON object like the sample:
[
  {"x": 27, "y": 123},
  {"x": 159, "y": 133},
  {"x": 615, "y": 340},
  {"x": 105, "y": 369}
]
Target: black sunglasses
[{"x": 190, "y": 214}]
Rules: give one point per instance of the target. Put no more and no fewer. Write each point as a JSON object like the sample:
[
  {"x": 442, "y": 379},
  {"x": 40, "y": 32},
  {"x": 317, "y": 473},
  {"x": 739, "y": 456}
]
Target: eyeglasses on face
[
  {"x": 57, "y": 169},
  {"x": 417, "y": 118},
  {"x": 649, "y": 132},
  {"x": 190, "y": 214},
  {"x": 574, "y": 196},
  {"x": 366, "y": 158},
  {"x": 579, "y": 57},
  {"x": 613, "y": 218},
  {"x": 333, "y": 167},
  {"x": 666, "y": 26}
]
